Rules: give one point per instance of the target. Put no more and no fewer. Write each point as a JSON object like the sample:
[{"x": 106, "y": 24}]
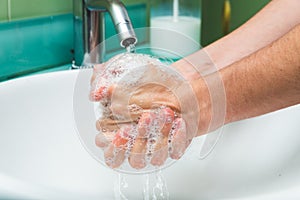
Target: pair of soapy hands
[{"x": 149, "y": 114}]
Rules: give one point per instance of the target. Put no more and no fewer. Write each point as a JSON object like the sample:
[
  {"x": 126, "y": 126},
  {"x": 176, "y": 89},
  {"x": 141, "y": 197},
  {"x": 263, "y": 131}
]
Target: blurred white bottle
[{"x": 175, "y": 28}]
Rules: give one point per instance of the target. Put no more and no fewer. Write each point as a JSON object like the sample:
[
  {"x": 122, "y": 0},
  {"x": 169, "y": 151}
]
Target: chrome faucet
[{"x": 89, "y": 29}]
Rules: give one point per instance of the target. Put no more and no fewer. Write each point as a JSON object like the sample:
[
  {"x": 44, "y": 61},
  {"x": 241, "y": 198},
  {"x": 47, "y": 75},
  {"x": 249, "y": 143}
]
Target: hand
[{"x": 150, "y": 113}]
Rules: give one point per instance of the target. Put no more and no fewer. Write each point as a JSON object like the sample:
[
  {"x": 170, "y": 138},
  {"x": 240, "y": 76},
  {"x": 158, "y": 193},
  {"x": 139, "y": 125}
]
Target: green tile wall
[
  {"x": 35, "y": 44},
  {"x": 3, "y": 10},
  {"x": 39, "y": 34},
  {"x": 22, "y": 9},
  {"x": 32, "y": 8}
]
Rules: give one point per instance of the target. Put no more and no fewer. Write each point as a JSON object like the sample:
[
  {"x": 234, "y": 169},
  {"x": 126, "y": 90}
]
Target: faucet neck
[{"x": 91, "y": 14}]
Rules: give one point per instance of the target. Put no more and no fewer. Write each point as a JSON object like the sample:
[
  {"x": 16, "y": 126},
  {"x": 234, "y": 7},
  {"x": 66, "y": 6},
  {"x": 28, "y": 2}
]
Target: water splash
[
  {"x": 119, "y": 187},
  {"x": 154, "y": 187},
  {"x": 160, "y": 190}
]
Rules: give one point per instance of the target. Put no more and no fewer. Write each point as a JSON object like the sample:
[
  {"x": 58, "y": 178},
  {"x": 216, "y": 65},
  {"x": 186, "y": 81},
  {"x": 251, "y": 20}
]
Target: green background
[
  {"x": 212, "y": 15},
  {"x": 37, "y": 35}
]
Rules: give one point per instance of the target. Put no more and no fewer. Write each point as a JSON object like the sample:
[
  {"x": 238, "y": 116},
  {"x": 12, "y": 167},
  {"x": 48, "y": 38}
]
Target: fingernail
[{"x": 144, "y": 124}]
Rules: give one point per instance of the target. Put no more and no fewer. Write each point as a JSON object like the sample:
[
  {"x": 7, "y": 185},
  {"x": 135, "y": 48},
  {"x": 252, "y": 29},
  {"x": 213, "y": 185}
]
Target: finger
[
  {"x": 114, "y": 156},
  {"x": 167, "y": 117},
  {"x": 115, "y": 153},
  {"x": 155, "y": 126},
  {"x": 110, "y": 124},
  {"x": 144, "y": 124},
  {"x": 120, "y": 139},
  {"x": 97, "y": 69},
  {"x": 136, "y": 146},
  {"x": 179, "y": 139},
  {"x": 106, "y": 124},
  {"x": 99, "y": 93},
  {"x": 102, "y": 140},
  {"x": 160, "y": 121},
  {"x": 125, "y": 112},
  {"x": 137, "y": 157},
  {"x": 160, "y": 153},
  {"x": 120, "y": 105}
]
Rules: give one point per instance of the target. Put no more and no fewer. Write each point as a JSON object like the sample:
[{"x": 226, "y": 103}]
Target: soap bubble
[{"x": 128, "y": 71}]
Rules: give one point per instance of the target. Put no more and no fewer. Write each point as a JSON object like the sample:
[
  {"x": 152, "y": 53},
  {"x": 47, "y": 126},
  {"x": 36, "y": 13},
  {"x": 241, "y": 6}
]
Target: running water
[
  {"x": 160, "y": 190},
  {"x": 119, "y": 187},
  {"x": 146, "y": 189},
  {"x": 154, "y": 187},
  {"x": 130, "y": 48}
]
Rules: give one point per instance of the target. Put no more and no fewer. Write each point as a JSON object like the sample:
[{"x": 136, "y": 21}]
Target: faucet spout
[
  {"x": 89, "y": 28},
  {"x": 120, "y": 19}
]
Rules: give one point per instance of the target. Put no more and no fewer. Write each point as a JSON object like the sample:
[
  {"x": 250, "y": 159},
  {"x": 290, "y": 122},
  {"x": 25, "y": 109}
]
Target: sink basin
[{"x": 41, "y": 156}]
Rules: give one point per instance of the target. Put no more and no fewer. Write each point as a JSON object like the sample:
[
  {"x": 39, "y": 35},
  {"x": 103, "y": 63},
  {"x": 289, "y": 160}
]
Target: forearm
[
  {"x": 264, "y": 81},
  {"x": 273, "y": 21}
]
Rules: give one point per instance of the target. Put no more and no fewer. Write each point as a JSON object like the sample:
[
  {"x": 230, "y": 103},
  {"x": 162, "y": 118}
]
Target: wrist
[
  {"x": 199, "y": 92},
  {"x": 202, "y": 94},
  {"x": 209, "y": 90}
]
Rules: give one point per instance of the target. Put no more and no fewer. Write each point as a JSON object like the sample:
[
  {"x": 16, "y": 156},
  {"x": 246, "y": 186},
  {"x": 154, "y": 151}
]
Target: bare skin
[
  {"x": 266, "y": 78},
  {"x": 160, "y": 104},
  {"x": 263, "y": 82},
  {"x": 273, "y": 21}
]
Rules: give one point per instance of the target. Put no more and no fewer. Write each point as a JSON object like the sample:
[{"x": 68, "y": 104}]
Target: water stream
[{"x": 154, "y": 187}]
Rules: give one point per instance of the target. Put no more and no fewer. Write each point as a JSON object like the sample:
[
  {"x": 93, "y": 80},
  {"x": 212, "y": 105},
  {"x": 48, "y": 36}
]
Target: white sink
[{"x": 41, "y": 156}]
